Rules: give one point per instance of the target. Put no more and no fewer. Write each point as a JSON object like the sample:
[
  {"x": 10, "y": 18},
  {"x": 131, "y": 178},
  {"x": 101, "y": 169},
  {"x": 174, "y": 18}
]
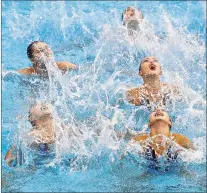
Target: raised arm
[
  {"x": 64, "y": 66},
  {"x": 133, "y": 96}
]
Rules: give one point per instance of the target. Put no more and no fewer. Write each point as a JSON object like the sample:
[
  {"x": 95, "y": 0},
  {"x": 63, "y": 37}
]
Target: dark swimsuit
[
  {"x": 153, "y": 161},
  {"x": 150, "y": 154},
  {"x": 18, "y": 156},
  {"x": 43, "y": 148},
  {"x": 165, "y": 99}
]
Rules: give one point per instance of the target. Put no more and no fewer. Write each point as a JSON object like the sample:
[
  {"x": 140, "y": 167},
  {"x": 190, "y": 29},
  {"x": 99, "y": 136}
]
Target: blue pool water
[{"x": 92, "y": 100}]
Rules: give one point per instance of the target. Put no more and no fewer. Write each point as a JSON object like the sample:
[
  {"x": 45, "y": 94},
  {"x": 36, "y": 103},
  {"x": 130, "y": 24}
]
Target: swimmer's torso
[
  {"x": 142, "y": 96},
  {"x": 158, "y": 145}
]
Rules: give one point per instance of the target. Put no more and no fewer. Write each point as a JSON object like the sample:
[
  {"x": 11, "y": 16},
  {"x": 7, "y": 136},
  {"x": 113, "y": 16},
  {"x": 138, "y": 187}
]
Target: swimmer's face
[
  {"x": 159, "y": 115},
  {"x": 131, "y": 13},
  {"x": 40, "y": 112},
  {"x": 41, "y": 52},
  {"x": 150, "y": 66}
]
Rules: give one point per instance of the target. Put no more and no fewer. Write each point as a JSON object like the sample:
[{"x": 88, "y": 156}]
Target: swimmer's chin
[{"x": 150, "y": 75}]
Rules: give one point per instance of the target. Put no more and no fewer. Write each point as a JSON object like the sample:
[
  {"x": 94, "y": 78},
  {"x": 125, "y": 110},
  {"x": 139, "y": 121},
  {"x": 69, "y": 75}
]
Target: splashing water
[{"x": 90, "y": 105}]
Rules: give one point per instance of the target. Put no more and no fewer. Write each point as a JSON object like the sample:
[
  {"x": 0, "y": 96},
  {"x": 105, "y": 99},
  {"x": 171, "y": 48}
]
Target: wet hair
[
  {"x": 30, "y": 49},
  {"x": 140, "y": 66},
  {"x": 122, "y": 16}
]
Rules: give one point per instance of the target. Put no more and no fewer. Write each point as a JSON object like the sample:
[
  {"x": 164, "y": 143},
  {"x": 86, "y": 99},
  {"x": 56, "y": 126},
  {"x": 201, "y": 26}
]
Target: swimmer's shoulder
[
  {"x": 64, "y": 66},
  {"x": 133, "y": 95},
  {"x": 174, "y": 88},
  {"x": 141, "y": 137},
  {"x": 183, "y": 141},
  {"x": 179, "y": 137},
  {"x": 134, "y": 90},
  {"x": 26, "y": 71}
]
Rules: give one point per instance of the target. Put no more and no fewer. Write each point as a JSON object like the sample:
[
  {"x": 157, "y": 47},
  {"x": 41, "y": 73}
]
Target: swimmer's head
[
  {"x": 149, "y": 66},
  {"x": 159, "y": 115},
  {"x": 38, "y": 52},
  {"x": 131, "y": 14},
  {"x": 40, "y": 111}
]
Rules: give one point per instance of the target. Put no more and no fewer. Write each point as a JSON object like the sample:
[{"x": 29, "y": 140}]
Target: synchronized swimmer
[
  {"x": 39, "y": 54},
  {"x": 40, "y": 136},
  {"x": 43, "y": 133},
  {"x": 153, "y": 91},
  {"x": 132, "y": 18},
  {"x": 160, "y": 140}
]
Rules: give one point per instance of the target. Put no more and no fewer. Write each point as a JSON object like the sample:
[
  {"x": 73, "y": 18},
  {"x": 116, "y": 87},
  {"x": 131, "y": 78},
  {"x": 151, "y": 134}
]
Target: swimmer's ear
[{"x": 140, "y": 73}]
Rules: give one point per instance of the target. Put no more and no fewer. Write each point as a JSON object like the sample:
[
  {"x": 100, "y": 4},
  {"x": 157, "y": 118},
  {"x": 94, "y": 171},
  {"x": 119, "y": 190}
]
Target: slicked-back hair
[
  {"x": 30, "y": 49},
  {"x": 140, "y": 64},
  {"x": 122, "y": 16}
]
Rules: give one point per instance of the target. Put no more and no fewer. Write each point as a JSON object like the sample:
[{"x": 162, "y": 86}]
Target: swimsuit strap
[
  {"x": 171, "y": 155},
  {"x": 149, "y": 152}
]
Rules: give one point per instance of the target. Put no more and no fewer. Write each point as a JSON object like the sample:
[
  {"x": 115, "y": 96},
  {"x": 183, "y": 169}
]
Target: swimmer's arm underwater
[
  {"x": 133, "y": 96},
  {"x": 64, "y": 66},
  {"x": 183, "y": 141}
]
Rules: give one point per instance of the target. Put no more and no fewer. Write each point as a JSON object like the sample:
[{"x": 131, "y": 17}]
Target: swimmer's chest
[{"x": 160, "y": 145}]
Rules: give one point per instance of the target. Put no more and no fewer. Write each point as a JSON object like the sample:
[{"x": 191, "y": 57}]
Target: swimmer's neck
[
  {"x": 38, "y": 70},
  {"x": 160, "y": 128},
  {"x": 152, "y": 82},
  {"x": 35, "y": 66}
]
